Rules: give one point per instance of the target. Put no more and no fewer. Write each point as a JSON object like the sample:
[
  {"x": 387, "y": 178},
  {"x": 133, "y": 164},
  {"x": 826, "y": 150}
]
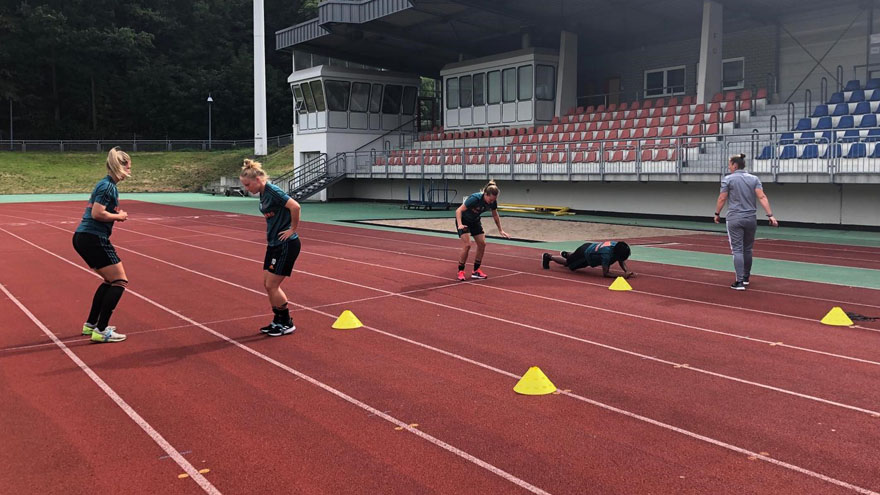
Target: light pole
[
  {"x": 210, "y": 101},
  {"x": 10, "y": 124}
]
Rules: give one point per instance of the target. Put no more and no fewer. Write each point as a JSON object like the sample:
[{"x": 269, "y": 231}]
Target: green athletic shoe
[
  {"x": 108, "y": 335},
  {"x": 88, "y": 328}
]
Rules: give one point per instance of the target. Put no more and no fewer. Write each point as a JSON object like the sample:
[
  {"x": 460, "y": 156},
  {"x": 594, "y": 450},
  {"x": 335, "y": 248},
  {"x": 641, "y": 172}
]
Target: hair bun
[{"x": 742, "y": 155}]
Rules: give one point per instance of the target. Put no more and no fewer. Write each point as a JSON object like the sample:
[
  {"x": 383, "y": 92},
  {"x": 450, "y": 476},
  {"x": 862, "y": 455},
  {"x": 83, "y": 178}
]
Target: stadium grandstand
[{"x": 627, "y": 107}]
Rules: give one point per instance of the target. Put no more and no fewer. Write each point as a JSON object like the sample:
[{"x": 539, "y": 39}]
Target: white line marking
[
  {"x": 149, "y": 430},
  {"x": 424, "y": 436}
]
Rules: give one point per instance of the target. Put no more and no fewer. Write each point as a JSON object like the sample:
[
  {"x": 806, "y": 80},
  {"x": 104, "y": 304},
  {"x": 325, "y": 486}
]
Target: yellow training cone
[
  {"x": 836, "y": 317},
  {"x": 347, "y": 321},
  {"x": 620, "y": 283},
  {"x": 534, "y": 382}
]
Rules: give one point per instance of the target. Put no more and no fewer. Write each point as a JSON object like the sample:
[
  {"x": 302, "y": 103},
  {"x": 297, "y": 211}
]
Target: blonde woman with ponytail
[
  {"x": 467, "y": 224},
  {"x": 282, "y": 219},
  {"x": 741, "y": 191},
  {"x": 91, "y": 240}
]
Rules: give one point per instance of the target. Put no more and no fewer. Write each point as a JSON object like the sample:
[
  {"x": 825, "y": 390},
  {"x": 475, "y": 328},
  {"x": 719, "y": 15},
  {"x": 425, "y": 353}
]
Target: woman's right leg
[
  {"x": 110, "y": 290},
  {"x": 735, "y": 235},
  {"x": 465, "y": 249}
]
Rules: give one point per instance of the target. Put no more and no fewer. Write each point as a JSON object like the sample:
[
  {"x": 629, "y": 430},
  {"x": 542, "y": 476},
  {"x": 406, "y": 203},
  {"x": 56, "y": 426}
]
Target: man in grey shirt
[{"x": 741, "y": 190}]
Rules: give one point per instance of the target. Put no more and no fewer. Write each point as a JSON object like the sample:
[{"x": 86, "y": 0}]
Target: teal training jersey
[
  {"x": 105, "y": 193},
  {"x": 272, "y": 201},
  {"x": 476, "y": 205},
  {"x": 601, "y": 253}
]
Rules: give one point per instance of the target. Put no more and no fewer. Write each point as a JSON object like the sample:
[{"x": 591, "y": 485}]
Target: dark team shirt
[
  {"x": 272, "y": 201},
  {"x": 476, "y": 205},
  {"x": 105, "y": 193},
  {"x": 601, "y": 253}
]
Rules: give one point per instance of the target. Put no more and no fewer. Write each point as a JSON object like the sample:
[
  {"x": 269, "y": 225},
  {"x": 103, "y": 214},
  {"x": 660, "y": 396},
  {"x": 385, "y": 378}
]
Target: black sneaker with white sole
[
  {"x": 280, "y": 329},
  {"x": 268, "y": 327},
  {"x": 738, "y": 286},
  {"x": 745, "y": 280}
]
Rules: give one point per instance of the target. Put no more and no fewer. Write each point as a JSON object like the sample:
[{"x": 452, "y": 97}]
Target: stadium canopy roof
[{"x": 421, "y": 36}]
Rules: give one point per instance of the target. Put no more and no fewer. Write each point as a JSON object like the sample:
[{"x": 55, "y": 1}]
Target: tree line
[{"x": 105, "y": 69}]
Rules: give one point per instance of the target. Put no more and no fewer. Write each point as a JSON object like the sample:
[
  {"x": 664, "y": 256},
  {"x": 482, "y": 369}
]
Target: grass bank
[{"x": 180, "y": 171}]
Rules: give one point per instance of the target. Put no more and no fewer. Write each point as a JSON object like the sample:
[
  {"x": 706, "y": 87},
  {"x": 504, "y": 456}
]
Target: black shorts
[
  {"x": 280, "y": 259},
  {"x": 95, "y": 250},
  {"x": 474, "y": 229},
  {"x": 577, "y": 259}
]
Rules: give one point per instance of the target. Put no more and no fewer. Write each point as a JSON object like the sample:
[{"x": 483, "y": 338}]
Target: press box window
[
  {"x": 545, "y": 82},
  {"x": 376, "y": 98},
  {"x": 494, "y": 87},
  {"x": 525, "y": 82},
  {"x": 391, "y": 99},
  {"x": 409, "y": 100},
  {"x": 733, "y": 73},
  {"x": 337, "y": 95},
  {"x": 466, "y": 91},
  {"x": 479, "y": 88},
  {"x": 508, "y": 77},
  {"x": 318, "y": 92},
  {"x": 452, "y": 93},
  {"x": 360, "y": 97}
]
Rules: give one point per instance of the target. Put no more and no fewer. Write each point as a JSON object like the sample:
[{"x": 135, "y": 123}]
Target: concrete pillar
[
  {"x": 709, "y": 75},
  {"x": 566, "y": 73}
]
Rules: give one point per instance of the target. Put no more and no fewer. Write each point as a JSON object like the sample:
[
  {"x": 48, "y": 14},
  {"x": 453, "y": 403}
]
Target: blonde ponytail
[
  {"x": 491, "y": 189},
  {"x": 116, "y": 160},
  {"x": 252, "y": 170}
]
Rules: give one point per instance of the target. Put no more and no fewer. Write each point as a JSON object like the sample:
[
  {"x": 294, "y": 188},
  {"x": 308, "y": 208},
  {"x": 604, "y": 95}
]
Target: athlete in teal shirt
[
  {"x": 591, "y": 254},
  {"x": 282, "y": 219}
]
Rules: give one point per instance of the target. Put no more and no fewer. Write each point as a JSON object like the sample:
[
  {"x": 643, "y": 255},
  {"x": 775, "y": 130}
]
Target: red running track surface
[{"x": 680, "y": 386}]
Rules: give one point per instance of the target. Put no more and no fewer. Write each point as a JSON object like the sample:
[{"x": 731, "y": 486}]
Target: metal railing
[
  {"x": 137, "y": 145},
  {"x": 688, "y": 158}
]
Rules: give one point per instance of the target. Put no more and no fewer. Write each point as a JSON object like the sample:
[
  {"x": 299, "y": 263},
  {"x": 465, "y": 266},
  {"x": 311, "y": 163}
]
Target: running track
[{"x": 667, "y": 389}]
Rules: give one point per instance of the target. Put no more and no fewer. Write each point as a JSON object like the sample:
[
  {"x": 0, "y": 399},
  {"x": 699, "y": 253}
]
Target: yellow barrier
[{"x": 553, "y": 210}]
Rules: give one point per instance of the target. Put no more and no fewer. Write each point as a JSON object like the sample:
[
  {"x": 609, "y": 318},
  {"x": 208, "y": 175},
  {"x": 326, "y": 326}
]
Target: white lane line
[
  {"x": 149, "y": 430},
  {"x": 406, "y": 426}
]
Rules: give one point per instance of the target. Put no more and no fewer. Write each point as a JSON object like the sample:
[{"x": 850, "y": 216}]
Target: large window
[
  {"x": 525, "y": 82},
  {"x": 376, "y": 98},
  {"x": 666, "y": 81},
  {"x": 494, "y": 87},
  {"x": 360, "y": 97},
  {"x": 452, "y": 93},
  {"x": 545, "y": 82},
  {"x": 466, "y": 91},
  {"x": 508, "y": 79},
  {"x": 409, "y": 100},
  {"x": 337, "y": 95},
  {"x": 307, "y": 94},
  {"x": 733, "y": 73},
  {"x": 318, "y": 92},
  {"x": 391, "y": 99},
  {"x": 479, "y": 89}
]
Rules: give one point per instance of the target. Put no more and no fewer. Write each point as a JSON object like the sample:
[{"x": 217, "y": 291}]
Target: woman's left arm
[
  {"x": 295, "y": 209},
  {"x": 497, "y": 219},
  {"x": 722, "y": 198}
]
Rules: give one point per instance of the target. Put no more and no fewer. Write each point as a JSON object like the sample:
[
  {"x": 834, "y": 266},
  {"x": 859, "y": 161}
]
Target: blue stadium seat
[
  {"x": 872, "y": 84},
  {"x": 824, "y": 123},
  {"x": 845, "y": 122},
  {"x": 869, "y": 120},
  {"x": 857, "y": 150},
  {"x": 807, "y": 138},
  {"x": 836, "y": 98},
  {"x": 873, "y": 136},
  {"x": 788, "y": 152},
  {"x": 862, "y": 107},
  {"x": 875, "y": 153},
  {"x": 832, "y": 150},
  {"x": 840, "y": 109},
  {"x": 875, "y": 95},
  {"x": 827, "y": 137},
  {"x": 786, "y": 138},
  {"x": 767, "y": 153},
  {"x": 804, "y": 124},
  {"x": 853, "y": 85},
  {"x": 850, "y": 136},
  {"x": 820, "y": 111},
  {"x": 810, "y": 151},
  {"x": 857, "y": 95}
]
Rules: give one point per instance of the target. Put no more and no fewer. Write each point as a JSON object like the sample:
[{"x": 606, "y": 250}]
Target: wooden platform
[{"x": 552, "y": 210}]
